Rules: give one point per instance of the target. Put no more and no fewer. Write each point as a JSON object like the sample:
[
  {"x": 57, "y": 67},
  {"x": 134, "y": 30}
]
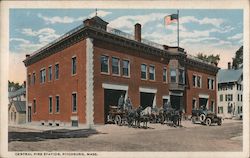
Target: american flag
[{"x": 170, "y": 19}]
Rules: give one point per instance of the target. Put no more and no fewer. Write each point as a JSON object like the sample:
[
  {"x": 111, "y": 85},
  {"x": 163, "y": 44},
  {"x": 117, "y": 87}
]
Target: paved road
[{"x": 227, "y": 137}]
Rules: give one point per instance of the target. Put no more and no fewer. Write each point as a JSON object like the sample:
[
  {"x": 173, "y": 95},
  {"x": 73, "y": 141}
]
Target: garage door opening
[
  {"x": 175, "y": 101},
  {"x": 146, "y": 99},
  {"x": 203, "y": 102},
  {"x": 111, "y": 97}
]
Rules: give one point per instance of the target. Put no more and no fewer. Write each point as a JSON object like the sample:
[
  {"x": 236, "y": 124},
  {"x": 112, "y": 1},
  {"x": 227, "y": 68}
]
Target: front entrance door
[{"x": 29, "y": 114}]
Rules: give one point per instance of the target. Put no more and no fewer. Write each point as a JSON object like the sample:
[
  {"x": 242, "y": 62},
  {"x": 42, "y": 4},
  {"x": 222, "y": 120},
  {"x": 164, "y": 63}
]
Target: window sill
[
  {"x": 105, "y": 73},
  {"x": 126, "y": 76},
  {"x": 73, "y": 74},
  {"x": 116, "y": 75}
]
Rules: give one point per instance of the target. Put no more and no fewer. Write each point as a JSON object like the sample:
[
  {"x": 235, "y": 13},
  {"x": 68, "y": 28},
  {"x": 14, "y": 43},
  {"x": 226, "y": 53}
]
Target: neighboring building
[
  {"x": 17, "y": 112},
  {"x": 230, "y": 90},
  {"x": 17, "y": 95},
  {"x": 73, "y": 80}
]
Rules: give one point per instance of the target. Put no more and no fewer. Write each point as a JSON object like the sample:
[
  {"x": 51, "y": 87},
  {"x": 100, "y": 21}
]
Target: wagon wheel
[
  {"x": 208, "y": 121},
  {"x": 219, "y": 123},
  {"x": 202, "y": 117},
  {"x": 118, "y": 120}
]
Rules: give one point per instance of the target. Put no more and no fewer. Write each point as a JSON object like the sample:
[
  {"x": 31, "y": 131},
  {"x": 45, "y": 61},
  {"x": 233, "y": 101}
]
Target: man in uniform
[
  {"x": 121, "y": 102},
  {"x": 128, "y": 104}
]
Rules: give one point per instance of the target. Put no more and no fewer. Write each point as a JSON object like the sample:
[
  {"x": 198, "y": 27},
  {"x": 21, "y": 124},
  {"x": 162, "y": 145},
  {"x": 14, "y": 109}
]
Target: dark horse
[
  {"x": 171, "y": 116},
  {"x": 135, "y": 117}
]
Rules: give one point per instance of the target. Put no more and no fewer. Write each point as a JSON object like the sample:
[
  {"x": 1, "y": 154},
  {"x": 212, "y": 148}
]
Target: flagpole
[{"x": 178, "y": 28}]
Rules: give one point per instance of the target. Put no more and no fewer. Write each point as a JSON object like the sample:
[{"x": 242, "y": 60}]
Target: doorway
[
  {"x": 111, "y": 98},
  {"x": 203, "y": 102},
  {"x": 175, "y": 101},
  {"x": 146, "y": 99},
  {"x": 29, "y": 114}
]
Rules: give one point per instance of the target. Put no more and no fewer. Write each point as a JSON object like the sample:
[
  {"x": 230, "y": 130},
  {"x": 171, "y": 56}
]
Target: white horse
[{"x": 147, "y": 111}]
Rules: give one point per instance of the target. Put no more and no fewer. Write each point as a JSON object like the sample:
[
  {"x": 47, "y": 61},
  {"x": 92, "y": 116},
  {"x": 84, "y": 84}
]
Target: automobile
[{"x": 205, "y": 116}]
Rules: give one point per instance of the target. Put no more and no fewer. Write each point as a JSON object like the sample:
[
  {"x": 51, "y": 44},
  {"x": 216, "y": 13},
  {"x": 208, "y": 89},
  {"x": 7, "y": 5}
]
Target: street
[{"x": 157, "y": 137}]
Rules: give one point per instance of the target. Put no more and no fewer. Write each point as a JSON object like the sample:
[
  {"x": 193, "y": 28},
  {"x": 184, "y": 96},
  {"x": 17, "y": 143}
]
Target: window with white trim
[
  {"x": 125, "y": 68},
  {"x": 74, "y": 102},
  {"x": 115, "y": 66},
  {"x": 210, "y": 83},
  {"x": 50, "y": 104},
  {"x": 181, "y": 76},
  {"x": 143, "y": 71},
  {"x": 173, "y": 75},
  {"x": 42, "y": 76},
  {"x": 104, "y": 64},
  {"x": 73, "y": 69},
  {"x": 57, "y": 71},
  {"x": 50, "y": 73},
  {"x": 34, "y": 78},
  {"x": 57, "y": 104},
  {"x": 151, "y": 72},
  {"x": 34, "y": 106},
  {"x": 164, "y": 74}
]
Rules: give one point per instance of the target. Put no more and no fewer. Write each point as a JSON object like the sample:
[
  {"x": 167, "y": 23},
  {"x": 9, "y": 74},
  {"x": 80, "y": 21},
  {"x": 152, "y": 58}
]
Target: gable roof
[
  {"x": 229, "y": 75},
  {"x": 20, "y": 106},
  {"x": 18, "y": 92}
]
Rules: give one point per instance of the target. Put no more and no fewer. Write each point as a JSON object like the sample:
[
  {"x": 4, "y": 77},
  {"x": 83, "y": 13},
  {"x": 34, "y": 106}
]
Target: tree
[
  {"x": 14, "y": 86},
  {"x": 210, "y": 58},
  {"x": 238, "y": 59}
]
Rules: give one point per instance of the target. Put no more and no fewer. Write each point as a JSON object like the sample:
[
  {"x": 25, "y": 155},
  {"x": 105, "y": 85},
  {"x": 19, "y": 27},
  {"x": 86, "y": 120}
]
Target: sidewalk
[{"x": 158, "y": 126}]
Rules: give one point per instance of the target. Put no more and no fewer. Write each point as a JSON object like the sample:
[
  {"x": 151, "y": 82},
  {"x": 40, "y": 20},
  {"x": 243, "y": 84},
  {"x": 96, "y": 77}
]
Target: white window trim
[
  {"x": 146, "y": 72},
  {"x": 165, "y": 70},
  {"x": 119, "y": 66},
  {"x": 32, "y": 78},
  {"x": 176, "y": 75},
  {"x": 57, "y": 112},
  {"x": 33, "y": 106},
  {"x": 149, "y": 72},
  {"x": 147, "y": 90},
  {"x": 49, "y": 80},
  {"x": 128, "y": 68},
  {"x": 211, "y": 78},
  {"x": 106, "y": 73},
  {"x": 72, "y": 102},
  {"x": 200, "y": 81},
  {"x": 114, "y": 86},
  {"x": 51, "y": 104},
  {"x": 44, "y": 68},
  {"x": 206, "y": 96},
  {"x": 57, "y": 63},
  {"x": 74, "y": 56}
]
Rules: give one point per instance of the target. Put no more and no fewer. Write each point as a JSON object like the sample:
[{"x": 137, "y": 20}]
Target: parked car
[{"x": 205, "y": 116}]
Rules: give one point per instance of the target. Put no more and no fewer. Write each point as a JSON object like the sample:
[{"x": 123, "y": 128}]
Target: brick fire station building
[{"x": 73, "y": 80}]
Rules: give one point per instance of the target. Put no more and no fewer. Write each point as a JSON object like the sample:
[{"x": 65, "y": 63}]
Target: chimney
[
  {"x": 27, "y": 55},
  {"x": 229, "y": 65},
  {"x": 138, "y": 32}
]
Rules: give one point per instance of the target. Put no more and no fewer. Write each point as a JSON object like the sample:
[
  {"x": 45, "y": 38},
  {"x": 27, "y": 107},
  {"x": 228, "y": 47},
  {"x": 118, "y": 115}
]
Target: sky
[{"x": 204, "y": 31}]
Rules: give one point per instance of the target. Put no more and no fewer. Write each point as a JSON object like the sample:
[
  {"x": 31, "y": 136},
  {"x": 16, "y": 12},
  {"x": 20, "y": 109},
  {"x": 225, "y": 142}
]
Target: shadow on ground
[{"x": 50, "y": 134}]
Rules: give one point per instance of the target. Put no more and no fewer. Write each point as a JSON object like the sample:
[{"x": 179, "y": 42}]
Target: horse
[{"x": 145, "y": 116}]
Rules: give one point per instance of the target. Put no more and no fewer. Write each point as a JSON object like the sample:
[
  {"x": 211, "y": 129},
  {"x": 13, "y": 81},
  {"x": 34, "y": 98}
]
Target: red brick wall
[
  {"x": 134, "y": 82},
  {"x": 192, "y": 92},
  {"x": 64, "y": 86}
]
